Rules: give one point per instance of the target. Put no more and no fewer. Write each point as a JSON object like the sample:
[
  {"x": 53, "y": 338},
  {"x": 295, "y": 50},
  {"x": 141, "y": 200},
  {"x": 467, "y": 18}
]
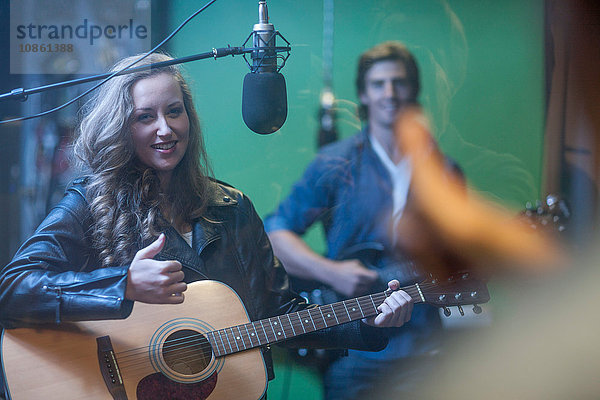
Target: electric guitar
[
  {"x": 204, "y": 348},
  {"x": 373, "y": 256}
]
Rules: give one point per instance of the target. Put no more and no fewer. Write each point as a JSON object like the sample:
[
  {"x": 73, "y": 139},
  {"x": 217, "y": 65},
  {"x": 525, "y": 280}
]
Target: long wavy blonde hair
[{"x": 127, "y": 204}]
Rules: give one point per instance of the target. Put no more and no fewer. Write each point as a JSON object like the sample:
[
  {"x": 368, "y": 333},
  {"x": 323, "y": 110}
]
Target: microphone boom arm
[{"x": 22, "y": 94}]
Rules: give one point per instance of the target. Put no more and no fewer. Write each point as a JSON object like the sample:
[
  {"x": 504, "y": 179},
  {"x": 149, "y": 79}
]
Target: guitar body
[{"x": 62, "y": 362}]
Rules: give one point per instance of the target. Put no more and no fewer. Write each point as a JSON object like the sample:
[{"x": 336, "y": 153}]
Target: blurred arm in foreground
[{"x": 465, "y": 230}]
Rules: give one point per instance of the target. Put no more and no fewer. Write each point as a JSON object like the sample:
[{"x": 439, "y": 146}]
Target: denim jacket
[{"x": 348, "y": 189}]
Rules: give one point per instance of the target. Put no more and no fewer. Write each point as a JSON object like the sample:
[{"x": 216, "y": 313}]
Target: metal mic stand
[{"x": 22, "y": 94}]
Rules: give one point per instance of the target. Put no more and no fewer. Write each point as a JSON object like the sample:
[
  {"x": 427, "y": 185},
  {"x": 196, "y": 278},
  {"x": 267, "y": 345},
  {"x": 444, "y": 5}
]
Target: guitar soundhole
[{"x": 187, "y": 352}]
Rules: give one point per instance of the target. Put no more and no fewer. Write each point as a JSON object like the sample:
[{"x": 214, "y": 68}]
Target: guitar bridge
[{"x": 110, "y": 369}]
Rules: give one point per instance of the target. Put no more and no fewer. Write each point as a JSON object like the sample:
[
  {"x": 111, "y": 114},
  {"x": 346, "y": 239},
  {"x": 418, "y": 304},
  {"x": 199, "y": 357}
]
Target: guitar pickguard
[{"x": 159, "y": 387}]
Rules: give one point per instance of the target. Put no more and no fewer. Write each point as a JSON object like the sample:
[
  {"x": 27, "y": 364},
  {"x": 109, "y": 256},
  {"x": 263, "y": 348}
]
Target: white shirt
[
  {"x": 187, "y": 237},
  {"x": 400, "y": 174}
]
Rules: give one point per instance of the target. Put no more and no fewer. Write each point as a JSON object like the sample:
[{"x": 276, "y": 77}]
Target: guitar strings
[
  {"x": 187, "y": 347},
  {"x": 175, "y": 343},
  {"x": 198, "y": 342},
  {"x": 192, "y": 340}
]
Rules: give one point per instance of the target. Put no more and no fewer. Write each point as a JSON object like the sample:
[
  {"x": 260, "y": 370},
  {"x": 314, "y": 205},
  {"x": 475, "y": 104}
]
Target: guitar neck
[{"x": 287, "y": 326}]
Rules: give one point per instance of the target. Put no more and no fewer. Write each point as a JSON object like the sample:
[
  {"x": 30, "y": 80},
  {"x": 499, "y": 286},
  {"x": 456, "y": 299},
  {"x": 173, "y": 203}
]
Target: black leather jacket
[{"x": 54, "y": 276}]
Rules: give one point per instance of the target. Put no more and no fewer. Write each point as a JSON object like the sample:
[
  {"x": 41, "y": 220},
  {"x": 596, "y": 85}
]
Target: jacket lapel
[
  {"x": 205, "y": 231},
  {"x": 176, "y": 248}
]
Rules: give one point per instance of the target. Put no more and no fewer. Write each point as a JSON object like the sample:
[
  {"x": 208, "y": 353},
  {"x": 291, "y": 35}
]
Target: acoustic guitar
[{"x": 204, "y": 348}]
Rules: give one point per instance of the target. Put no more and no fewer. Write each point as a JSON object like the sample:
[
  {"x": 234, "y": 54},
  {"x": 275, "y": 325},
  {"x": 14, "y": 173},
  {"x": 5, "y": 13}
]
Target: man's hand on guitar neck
[
  {"x": 351, "y": 278},
  {"x": 395, "y": 311}
]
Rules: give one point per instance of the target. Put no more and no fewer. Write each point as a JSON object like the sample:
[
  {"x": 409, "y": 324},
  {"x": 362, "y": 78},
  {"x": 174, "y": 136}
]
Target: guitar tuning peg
[
  {"x": 476, "y": 309},
  {"x": 432, "y": 278},
  {"x": 538, "y": 203},
  {"x": 461, "y": 311},
  {"x": 447, "y": 311},
  {"x": 551, "y": 200}
]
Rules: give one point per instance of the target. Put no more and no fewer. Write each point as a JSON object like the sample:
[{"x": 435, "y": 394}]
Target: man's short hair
[{"x": 391, "y": 50}]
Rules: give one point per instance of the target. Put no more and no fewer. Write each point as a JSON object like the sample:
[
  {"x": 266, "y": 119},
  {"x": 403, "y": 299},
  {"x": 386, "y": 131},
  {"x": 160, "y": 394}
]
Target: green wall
[
  {"x": 482, "y": 79},
  {"x": 482, "y": 73}
]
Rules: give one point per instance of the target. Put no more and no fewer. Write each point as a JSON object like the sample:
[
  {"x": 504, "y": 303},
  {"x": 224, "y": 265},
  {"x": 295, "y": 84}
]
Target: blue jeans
[{"x": 355, "y": 377}]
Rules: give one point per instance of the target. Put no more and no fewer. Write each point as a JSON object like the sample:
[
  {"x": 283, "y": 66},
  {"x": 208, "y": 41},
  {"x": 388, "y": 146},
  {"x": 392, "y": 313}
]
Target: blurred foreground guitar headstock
[{"x": 552, "y": 214}]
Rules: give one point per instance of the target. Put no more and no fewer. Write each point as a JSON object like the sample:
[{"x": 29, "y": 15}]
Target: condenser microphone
[{"x": 264, "y": 97}]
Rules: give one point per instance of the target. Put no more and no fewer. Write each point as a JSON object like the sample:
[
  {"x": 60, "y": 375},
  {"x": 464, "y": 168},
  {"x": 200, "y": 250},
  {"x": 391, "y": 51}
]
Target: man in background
[{"x": 358, "y": 189}]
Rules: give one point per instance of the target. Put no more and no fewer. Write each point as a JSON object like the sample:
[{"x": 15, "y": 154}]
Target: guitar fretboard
[{"x": 282, "y": 327}]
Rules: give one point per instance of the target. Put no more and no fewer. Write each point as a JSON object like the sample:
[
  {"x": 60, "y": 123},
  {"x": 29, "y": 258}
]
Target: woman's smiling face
[{"x": 160, "y": 127}]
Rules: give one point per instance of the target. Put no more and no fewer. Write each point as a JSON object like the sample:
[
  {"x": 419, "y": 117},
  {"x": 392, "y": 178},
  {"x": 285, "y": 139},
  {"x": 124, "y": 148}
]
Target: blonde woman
[{"x": 147, "y": 220}]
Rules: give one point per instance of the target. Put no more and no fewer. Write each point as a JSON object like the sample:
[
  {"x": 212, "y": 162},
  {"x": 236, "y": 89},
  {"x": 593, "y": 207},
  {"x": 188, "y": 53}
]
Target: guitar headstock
[
  {"x": 551, "y": 214},
  {"x": 458, "y": 289}
]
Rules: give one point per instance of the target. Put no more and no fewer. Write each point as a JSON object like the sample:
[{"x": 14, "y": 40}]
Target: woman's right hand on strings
[{"x": 152, "y": 281}]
